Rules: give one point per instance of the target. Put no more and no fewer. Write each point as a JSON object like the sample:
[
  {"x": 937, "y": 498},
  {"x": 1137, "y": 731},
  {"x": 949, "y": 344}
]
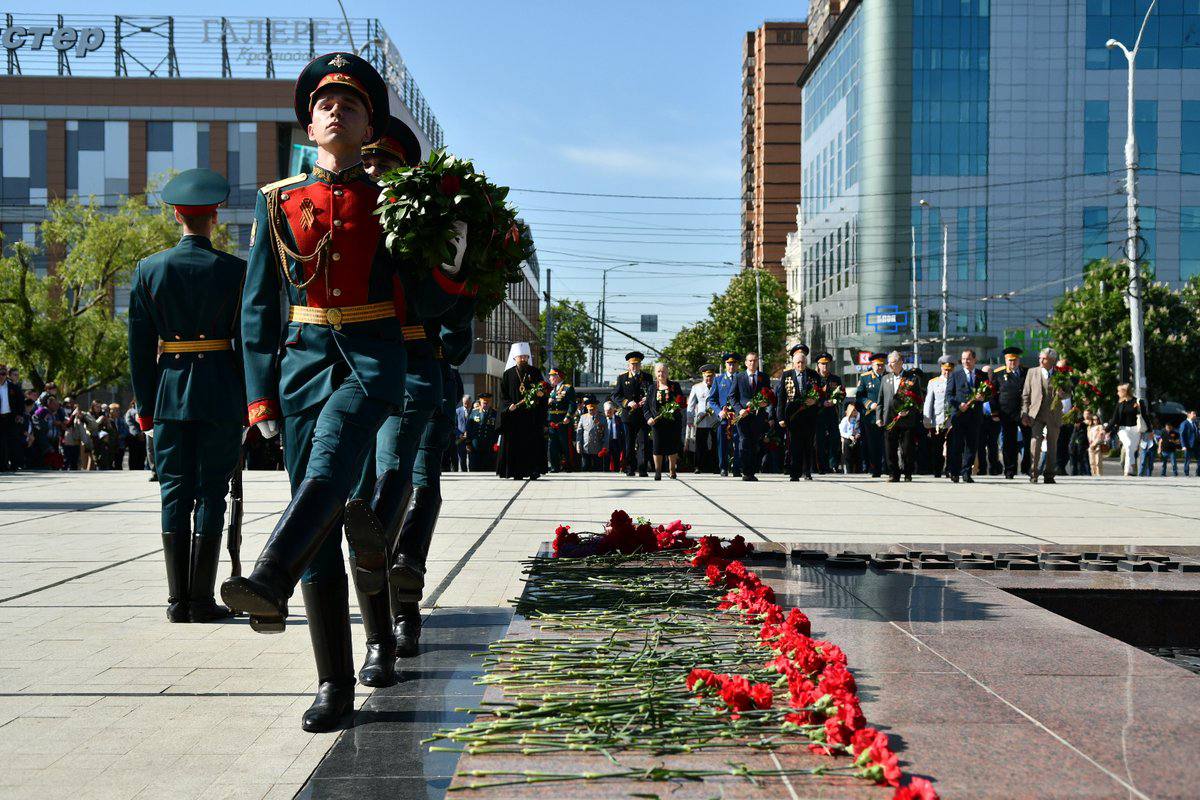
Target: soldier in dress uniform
[
  {"x": 633, "y": 388},
  {"x": 332, "y": 375},
  {"x": 1006, "y": 410},
  {"x": 720, "y": 402},
  {"x": 482, "y": 430},
  {"x": 867, "y": 399},
  {"x": 560, "y": 420},
  {"x": 189, "y": 396},
  {"x": 829, "y": 414},
  {"x": 797, "y": 413}
]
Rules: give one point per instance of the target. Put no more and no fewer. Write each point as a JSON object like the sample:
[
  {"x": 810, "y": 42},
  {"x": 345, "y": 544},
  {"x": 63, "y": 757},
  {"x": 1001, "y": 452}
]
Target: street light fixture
[{"x": 1137, "y": 341}]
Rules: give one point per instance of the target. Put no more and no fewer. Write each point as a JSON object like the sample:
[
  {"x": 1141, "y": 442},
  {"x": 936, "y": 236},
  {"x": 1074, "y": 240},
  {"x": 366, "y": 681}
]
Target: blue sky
[{"x": 617, "y": 97}]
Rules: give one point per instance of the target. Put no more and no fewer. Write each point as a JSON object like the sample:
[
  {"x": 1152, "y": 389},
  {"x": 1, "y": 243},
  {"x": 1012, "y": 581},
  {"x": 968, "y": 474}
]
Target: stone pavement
[{"x": 102, "y": 698}]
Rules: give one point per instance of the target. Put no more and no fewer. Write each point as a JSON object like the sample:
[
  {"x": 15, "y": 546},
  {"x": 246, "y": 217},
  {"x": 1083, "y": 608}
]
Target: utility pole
[
  {"x": 1137, "y": 339},
  {"x": 758, "y": 311},
  {"x": 945, "y": 287},
  {"x": 549, "y": 326},
  {"x": 913, "y": 311}
]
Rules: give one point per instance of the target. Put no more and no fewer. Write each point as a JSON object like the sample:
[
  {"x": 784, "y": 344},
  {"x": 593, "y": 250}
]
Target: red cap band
[
  {"x": 195, "y": 211},
  {"x": 341, "y": 79}
]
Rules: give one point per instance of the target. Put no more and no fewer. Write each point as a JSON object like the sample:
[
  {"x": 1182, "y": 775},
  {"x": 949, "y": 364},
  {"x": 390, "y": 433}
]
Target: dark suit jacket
[
  {"x": 791, "y": 410},
  {"x": 959, "y": 391},
  {"x": 1009, "y": 385},
  {"x": 16, "y": 400},
  {"x": 742, "y": 392},
  {"x": 887, "y": 401}
]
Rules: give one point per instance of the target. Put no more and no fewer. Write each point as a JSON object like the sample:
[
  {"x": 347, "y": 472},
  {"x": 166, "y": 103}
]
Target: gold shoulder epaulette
[{"x": 285, "y": 182}]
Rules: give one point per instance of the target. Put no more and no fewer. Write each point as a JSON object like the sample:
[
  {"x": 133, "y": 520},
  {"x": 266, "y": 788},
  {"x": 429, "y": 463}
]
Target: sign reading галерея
[{"x": 62, "y": 38}]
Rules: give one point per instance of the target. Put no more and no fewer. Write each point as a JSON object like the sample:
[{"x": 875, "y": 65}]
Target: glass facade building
[{"x": 1009, "y": 119}]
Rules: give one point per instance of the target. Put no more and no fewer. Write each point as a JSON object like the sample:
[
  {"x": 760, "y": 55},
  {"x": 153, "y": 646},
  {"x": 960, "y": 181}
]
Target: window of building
[
  {"x": 1170, "y": 41},
  {"x": 962, "y": 236},
  {"x": 961, "y": 320},
  {"x": 1189, "y": 156},
  {"x": 172, "y": 147},
  {"x": 22, "y": 162},
  {"x": 1095, "y": 137},
  {"x": 933, "y": 321},
  {"x": 1148, "y": 224},
  {"x": 97, "y": 160},
  {"x": 242, "y": 161},
  {"x": 981, "y": 243},
  {"x": 1189, "y": 242},
  {"x": 919, "y": 242},
  {"x": 1145, "y": 124},
  {"x": 1095, "y": 234}
]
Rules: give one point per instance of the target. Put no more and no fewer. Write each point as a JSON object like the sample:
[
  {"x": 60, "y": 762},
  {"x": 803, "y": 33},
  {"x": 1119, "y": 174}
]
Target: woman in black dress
[
  {"x": 666, "y": 427},
  {"x": 522, "y": 424}
]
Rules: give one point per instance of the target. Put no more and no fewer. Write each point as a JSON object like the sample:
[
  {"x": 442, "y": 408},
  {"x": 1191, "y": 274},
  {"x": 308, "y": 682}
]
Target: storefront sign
[{"x": 62, "y": 39}]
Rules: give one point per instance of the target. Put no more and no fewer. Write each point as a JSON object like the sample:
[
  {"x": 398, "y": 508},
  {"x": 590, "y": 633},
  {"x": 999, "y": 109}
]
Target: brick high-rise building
[
  {"x": 821, "y": 16},
  {"x": 773, "y": 58}
]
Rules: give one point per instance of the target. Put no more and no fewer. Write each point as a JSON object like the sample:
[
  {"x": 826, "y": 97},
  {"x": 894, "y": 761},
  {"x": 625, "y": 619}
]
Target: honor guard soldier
[
  {"x": 867, "y": 399},
  {"x": 797, "y": 412},
  {"x": 829, "y": 414},
  {"x": 720, "y": 401},
  {"x": 560, "y": 419},
  {"x": 189, "y": 391},
  {"x": 332, "y": 374},
  {"x": 633, "y": 389},
  {"x": 1006, "y": 409},
  {"x": 386, "y": 484},
  {"x": 482, "y": 429}
]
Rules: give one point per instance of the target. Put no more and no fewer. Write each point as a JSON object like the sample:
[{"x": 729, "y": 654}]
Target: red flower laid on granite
[
  {"x": 564, "y": 540},
  {"x": 917, "y": 789}
]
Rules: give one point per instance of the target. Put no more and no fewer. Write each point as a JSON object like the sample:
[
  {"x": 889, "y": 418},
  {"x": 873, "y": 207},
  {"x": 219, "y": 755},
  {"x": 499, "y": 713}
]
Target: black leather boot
[
  {"x": 372, "y": 529},
  {"x": 314, "y": 513},
  {"x": 177, "y": 551},
  {"x": 407, "y": 575},
  {"x": 327, "y": 605},
  {"x": 379, "y": 663},
  {"x": 206, "y": 553},
  {"x": 407, "y": 628}
]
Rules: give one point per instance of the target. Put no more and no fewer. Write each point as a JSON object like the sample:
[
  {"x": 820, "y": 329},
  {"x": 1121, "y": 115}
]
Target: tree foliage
[
  {"x": 1090, "y": 325},
  {"x": 731, "y": 326},
  {"x": 574, "y": 337},
  {"x": 60, "y": 326}
]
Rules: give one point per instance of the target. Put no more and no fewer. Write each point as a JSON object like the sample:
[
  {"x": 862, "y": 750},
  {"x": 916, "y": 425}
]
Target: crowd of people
[
  {"x": 40, "y": 431},
  {"x": 967, "y": 420}
]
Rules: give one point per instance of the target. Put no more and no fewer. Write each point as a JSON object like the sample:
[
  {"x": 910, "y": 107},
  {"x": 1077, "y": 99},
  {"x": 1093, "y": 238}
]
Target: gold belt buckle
[{"x": 334, "y": 315}]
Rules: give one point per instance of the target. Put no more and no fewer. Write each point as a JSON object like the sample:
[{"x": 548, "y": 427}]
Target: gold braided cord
[
  {"x": 197, "y": 345},
  {"x": 274, "y": 221}
]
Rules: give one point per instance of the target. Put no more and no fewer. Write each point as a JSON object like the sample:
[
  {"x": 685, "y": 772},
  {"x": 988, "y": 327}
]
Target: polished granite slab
[{"x": 382, "y": 756}]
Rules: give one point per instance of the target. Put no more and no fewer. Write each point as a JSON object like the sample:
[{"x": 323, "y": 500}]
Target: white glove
[
  {"x": 269, "y": 428},
  {"x": 149, "y": 433},
  {"x": 460, "y": 247}
]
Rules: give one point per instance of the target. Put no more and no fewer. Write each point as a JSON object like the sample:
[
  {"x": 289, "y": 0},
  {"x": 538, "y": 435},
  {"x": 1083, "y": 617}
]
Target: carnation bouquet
[
  {"x": 764, "y": 398},
  {"x": 668, "y": 408},
  {"x": 982, "y": 394},
  {"x": 418, "y": 209},
  {"x": 908, "y": 400},
  {"x": 534, "y": 393}
]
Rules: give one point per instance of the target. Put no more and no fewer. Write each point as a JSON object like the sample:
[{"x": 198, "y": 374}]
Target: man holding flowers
[{"x": 899, "y": 415}]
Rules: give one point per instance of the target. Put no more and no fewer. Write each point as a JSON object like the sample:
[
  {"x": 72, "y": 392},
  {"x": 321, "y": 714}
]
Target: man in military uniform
[
  {"x": 189, "y": 397},
  {"x": 703, "y": 419},
  {"x": 1006, "y": 410},
  {"x": 482, "y": 426},
  {"x": 867, "y": 399},
  {"x": 334, "y": 375},
  {"x": 829, "y": 414},
  {"x": 720, "y": 402},
  {"x": 560, "y": 420},
  {"x": 633, "y": 388},
  {"x": 797, "y": 412}
]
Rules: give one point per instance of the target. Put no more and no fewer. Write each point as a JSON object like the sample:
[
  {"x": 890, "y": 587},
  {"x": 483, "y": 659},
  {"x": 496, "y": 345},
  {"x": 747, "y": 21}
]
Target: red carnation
[
  {"x": 449, "y": 185},
  {"x": 917, "y": 789}
]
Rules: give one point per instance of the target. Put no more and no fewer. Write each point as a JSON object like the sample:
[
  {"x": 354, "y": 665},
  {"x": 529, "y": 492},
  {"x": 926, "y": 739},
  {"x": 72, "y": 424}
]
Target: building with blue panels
[{"x": 1008, "y": 118}]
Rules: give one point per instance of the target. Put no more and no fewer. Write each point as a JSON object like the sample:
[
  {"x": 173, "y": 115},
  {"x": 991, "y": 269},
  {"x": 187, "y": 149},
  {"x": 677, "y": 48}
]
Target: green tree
[
  {"x": 1090, "y": 325},
  {"x": 61, "y": 327},
  {"x": 574, "y": 337},
  {"x": 732, "y": 325}
]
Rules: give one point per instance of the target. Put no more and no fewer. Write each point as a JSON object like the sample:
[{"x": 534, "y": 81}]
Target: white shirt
[
  {"x": 697, "y": 405},
  {"x": 5, "y": 408},
  {"x": 848, "y": 427},
  {"x": 935, "y": 401}
]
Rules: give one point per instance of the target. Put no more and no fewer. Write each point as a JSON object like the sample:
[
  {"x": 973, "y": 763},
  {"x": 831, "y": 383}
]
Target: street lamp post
[
  {"x": 1137, "y": 340},
  {"x": 945, "y": 315},
  {"x": 604, "y": 306},
  {"x": 913, "y": 309}
]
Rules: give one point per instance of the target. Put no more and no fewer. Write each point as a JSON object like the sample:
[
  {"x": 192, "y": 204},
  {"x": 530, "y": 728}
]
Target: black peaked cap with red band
[{"x": 349, "y": 71}]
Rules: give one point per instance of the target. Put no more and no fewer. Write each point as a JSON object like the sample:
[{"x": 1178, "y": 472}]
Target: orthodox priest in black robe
[{"x": 523, "y": 393}]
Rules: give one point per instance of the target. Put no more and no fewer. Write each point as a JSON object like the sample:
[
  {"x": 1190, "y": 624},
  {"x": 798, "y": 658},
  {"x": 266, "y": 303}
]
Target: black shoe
[
  {"x": 314, "y": 513},
  {"x": 658, "y": 476},
  {"x": 177, "y": 552},
  {"x": 737, "y": 474},
  {"x": 750, "y": 478},
  {"x": 329, "y": 629},
  {"x": 954, "y": 479},
  {"x": 1033, "y": 478},
  {"x": 893, "y": 479},
  {"x": 366, "y": 540},
  {"x": 724, "y": 473},
  {"x": 794, "y": 478},
  {"x": 808, "y": 476},
  {"x": 876, "y": 474},
  {"x": 206, "y": 553},
  {"x": 968, "y": 479},
  {"x": 643, "y": 474},
  {"x": 1009, "y": 476},
  {"x": 908, "y": 478},
  {"x": 1048, "y": 479},
  {"x": 407, "y": 574},
  {"x": 379, "y": 663},
  {"x": 407, "y": 629}
]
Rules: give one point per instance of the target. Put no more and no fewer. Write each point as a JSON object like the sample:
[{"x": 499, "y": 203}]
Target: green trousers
[
  {"x": 400, "y": 435},
  {"x": 194, "y": 461}
]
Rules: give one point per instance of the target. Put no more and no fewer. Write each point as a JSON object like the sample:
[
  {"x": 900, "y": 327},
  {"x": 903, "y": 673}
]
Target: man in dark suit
[
  {"x": 616, "y": 439},
  {"x": 720, "y": 403},
  {"x": 964, "y": 415},
  {"x": 1006, "y": 409},
  {"x": 900, "y": 437},
  {"x": 797, "y": 413},
  {"x": 633, "y": 387},
  {"x": 752, "y": 424},
  {"x": 12, "y": 417}
]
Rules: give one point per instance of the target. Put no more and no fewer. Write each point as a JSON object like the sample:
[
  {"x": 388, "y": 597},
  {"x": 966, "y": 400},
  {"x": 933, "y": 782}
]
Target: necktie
[
  {"x": 753, "y": 382},
  {"x": 970, "y": 379}
]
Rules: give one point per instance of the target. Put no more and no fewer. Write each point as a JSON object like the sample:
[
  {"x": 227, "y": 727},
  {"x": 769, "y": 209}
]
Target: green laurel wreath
[{"x": 418, "y": 207}]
